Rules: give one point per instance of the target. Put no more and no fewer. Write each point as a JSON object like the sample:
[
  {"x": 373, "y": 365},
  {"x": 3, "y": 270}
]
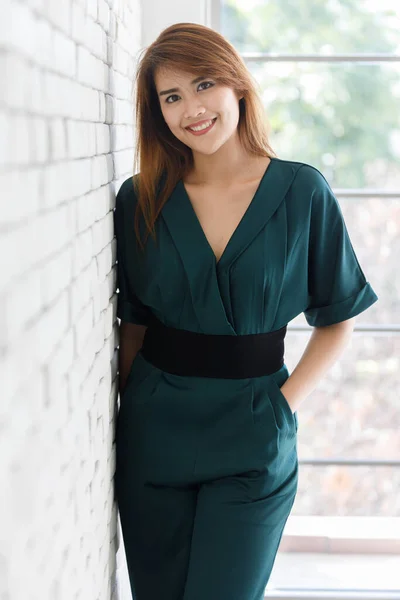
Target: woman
[{"x": 241, "y": 243}]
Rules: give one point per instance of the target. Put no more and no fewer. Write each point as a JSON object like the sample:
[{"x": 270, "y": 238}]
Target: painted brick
[
  {"x": 78, "y": 23},
  {"x": 103, "y": 144},
  {"x": 91, "y": 8},
  {"x": 83, "y": 327},
  {"x": 59, "y": 14},
  {"x": 102, "y": 230},
  {"x": 19, "y": 32},
  {"x": 90, "y": 69},
  {"x": 14, "y": 95},
  {"x": 39, "y": 134},
  {"x": 123, "y": 162},
  {"x": 57, "y": 139},
  {"x": 79, "y": 175},
  {"x": 123, "y": 111},
  {"x": 102, "y": 170},
  {"x": 104, "y": 262},
  {"x": 104, "y": 15},
  {"x": 97, "y": 40},
  {"x": 21, "y": 194},
  {"x": 55, "y": 276},
  {"x": 67, "y": 144},
  {"x": 19, "y": 146},
  {"x": 44, "y": 43},
  {"x": 122, "y": 137},
  {"x": 121, "y": 59},
  {"x": 64, "y": 59}
]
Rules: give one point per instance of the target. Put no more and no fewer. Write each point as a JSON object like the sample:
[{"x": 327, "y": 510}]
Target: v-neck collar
[
  {"x": 204, "y": 273},
  {"x": 188, "y": 235},
  {"x": 242, "y": 222}
]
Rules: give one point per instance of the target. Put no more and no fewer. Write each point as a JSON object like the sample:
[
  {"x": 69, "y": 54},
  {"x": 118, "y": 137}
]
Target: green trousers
[{"x": 206, "y": 476}]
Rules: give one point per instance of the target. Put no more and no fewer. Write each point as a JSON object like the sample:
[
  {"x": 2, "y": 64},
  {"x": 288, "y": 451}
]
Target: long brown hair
[{"x": 160, "y": 157}]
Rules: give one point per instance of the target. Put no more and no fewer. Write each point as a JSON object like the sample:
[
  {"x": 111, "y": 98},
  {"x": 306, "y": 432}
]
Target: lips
[
  {"x": 203, "y": 131},
  {"x": 200, "y": 123}
]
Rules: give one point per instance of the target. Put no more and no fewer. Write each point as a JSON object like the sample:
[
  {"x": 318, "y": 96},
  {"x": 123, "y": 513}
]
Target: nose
[{"x": 193, "y": 109}]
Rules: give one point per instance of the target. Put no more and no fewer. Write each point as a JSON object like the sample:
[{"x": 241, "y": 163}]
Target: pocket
[
  {"x": 280, "y": 398},
  {"x": 128, "y": 382}
]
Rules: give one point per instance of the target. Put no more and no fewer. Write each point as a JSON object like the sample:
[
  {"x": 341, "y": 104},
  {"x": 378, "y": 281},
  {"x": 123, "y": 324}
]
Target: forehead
[{"x": 167, "y": 77}]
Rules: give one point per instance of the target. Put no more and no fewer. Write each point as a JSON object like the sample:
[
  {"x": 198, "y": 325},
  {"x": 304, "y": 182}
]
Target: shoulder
[
  {"x": 309, "y": 192},
  {"x": 125, "y": 203},
  {"x": 306, "y": 178},
  {"x": 126, "y": 197}
]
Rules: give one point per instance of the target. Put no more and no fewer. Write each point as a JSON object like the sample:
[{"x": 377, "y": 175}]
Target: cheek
[
  {"x": 171, "y": 120},
  {"x": 228, "y": 107}
]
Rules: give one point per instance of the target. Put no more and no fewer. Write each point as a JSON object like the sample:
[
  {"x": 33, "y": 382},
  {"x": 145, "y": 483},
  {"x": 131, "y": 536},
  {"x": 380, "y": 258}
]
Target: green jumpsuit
[{"x": 206, "y": 468}]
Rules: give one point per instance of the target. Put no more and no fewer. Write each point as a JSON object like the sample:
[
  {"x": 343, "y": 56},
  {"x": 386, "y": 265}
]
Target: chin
[
  {"x": 209, "y": 152},
  {"x": 206, "y": 151}
]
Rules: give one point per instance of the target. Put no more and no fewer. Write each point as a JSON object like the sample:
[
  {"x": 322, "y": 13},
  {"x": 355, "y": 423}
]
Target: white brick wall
[{"x": 65, "y": 147}]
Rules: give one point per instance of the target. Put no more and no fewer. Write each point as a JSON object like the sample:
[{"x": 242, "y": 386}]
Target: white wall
[
  {"x": 66, "y": 144},
  {"x": 156, "y": 15}
]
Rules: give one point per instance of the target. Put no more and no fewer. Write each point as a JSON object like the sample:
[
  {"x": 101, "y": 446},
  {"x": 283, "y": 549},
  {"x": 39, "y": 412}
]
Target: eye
[
  {"x": 210, "y": 83},
  {"x": 206, "y": 82},
  {"x": 168, "y": 97}
]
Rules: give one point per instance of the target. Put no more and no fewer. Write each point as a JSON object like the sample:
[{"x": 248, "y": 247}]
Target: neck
[{"x": 221, "y": 167}]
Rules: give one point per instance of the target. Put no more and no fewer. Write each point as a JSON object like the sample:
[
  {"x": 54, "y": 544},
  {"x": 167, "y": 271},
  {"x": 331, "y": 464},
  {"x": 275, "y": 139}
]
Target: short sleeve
[
  {"x": 337, "y": 287},
  {"x": 129, "y": 307}
]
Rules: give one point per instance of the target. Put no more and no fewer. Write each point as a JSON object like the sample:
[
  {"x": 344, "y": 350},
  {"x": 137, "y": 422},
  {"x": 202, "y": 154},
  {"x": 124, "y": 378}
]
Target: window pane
[
  {"x": 342, "y": 118},
  {"x": 344, "y": 572},
  {"x": 352, "y": 413},
  {"x": 374, "y": 228},
  {"x": 307, "y": 27},
  {"x": 348, "y": 491}
]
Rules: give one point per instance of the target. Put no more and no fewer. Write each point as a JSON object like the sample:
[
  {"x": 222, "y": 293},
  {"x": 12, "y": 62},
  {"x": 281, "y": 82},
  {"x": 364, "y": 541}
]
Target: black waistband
[{"x": 184, "y": 352}]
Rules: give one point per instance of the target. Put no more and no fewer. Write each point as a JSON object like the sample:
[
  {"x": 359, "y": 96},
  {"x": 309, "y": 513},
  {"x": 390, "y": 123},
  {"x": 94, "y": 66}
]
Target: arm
[
  {"x": 338, "y": 290},
  {"x": 323, "y": 349},
  {"x": 133, "y": 314},
  {"x": 130, "y": 341}
]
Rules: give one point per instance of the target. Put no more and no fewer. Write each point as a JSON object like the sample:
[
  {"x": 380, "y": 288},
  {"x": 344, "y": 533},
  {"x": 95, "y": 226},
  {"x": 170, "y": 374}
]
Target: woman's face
[{"x": 198, "y": 101}]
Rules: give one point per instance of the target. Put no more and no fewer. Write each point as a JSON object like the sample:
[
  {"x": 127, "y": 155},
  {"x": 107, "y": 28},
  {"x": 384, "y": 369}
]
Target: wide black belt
[{"x": 184, "y": 352}]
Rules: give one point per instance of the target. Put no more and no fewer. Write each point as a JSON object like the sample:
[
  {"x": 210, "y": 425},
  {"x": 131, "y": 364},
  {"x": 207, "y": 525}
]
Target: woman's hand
[
  {"x": 325, "y": 346},
  {"x": 292, "y": 402},
  {"x": 130, "y": 341}
]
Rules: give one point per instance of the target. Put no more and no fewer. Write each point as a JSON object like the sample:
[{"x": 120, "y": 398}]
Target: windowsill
[
  {"x": 360, "y": 535},
  {"x": 322, "y": 576}
]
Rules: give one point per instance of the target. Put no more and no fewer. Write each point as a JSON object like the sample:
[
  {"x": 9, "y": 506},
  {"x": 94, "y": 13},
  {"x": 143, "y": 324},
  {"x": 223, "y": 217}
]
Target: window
[{"x": 329, "y": 76}]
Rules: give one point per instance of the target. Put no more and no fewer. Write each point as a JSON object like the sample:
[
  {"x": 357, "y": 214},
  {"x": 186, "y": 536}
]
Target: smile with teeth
[{"x": 206, "y": 125}]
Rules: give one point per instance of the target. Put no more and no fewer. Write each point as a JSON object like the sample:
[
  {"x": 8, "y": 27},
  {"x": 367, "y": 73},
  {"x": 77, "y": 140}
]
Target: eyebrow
[{"x": 177, "y": 89}]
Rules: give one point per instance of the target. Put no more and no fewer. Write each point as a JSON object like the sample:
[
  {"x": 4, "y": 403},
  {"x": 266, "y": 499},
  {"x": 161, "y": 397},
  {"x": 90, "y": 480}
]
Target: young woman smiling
[{"x": 238, "y": 243}]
